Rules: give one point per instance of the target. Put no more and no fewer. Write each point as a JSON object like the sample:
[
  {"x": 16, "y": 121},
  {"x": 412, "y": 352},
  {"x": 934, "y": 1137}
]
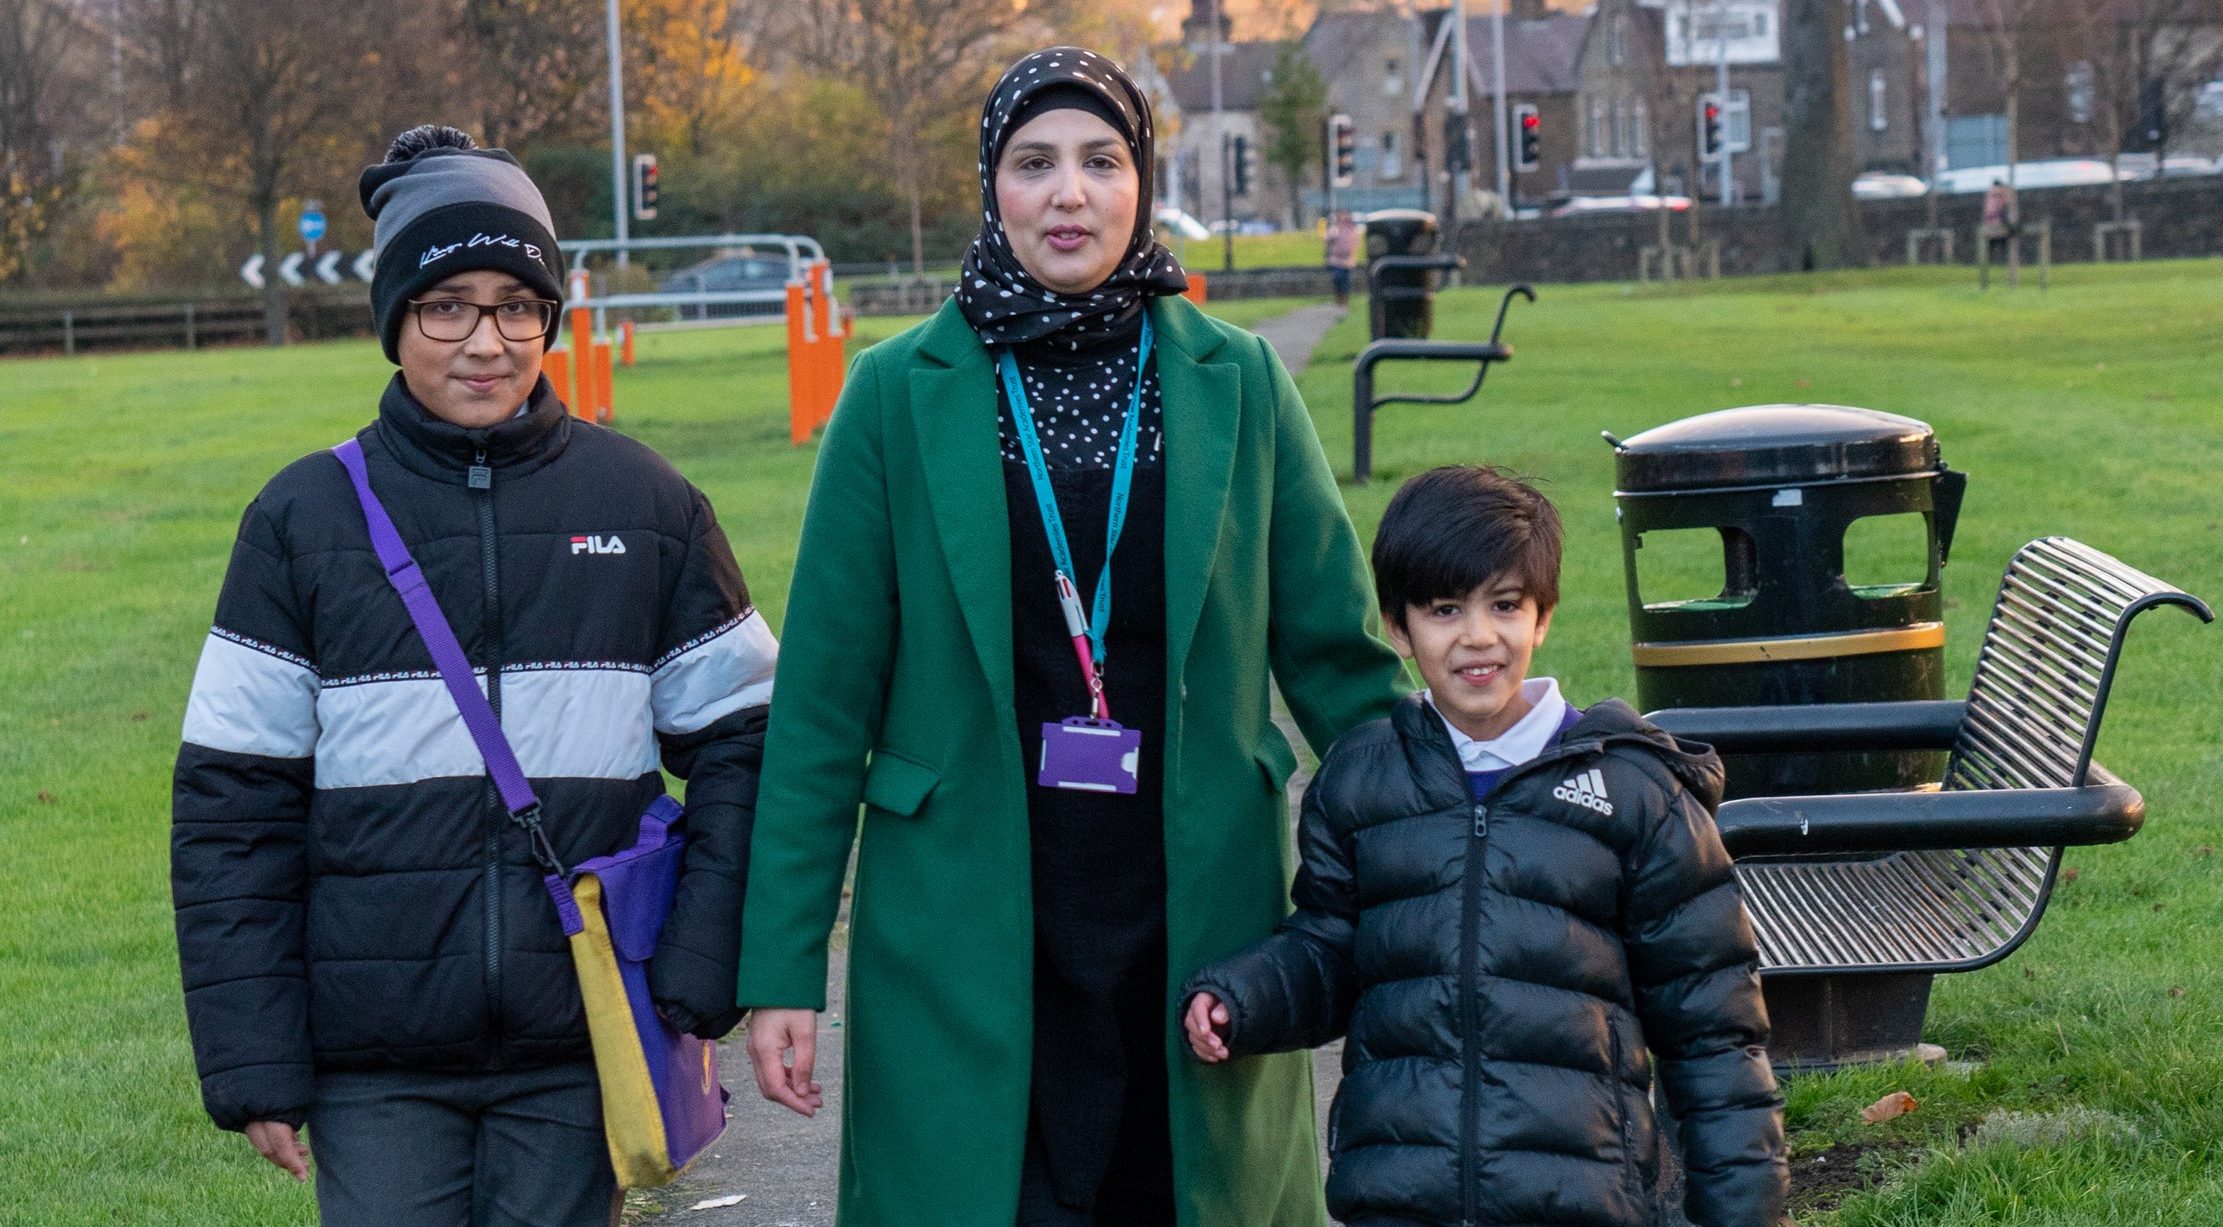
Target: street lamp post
[
  {"x": 1728, "y": 193},
  {"x": 617, "y": 128},
  {"x": 1219, "y": 131}
]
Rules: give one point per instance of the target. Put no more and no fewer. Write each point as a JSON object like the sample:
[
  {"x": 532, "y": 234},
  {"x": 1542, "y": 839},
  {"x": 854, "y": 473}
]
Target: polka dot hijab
[{"x": 1002, "y": 301}]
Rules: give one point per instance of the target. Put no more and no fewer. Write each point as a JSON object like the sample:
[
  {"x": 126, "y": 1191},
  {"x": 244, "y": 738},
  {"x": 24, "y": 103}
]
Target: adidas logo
[{"x": 1587, "y": 790}]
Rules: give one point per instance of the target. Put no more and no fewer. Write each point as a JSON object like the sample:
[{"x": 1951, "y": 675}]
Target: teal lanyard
[{"x": 1123, "y": 472}]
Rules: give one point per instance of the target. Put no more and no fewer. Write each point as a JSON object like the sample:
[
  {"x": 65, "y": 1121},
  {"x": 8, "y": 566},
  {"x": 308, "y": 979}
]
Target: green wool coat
[{"x": 895, "y": 691}]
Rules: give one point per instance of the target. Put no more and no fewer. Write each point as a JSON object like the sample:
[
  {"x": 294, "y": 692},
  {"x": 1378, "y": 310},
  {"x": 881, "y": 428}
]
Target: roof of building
[
  {"x": 1246, "y": 70},
  {"x": 1337, "y": 40},
  {"x": 1540, "y": 53}
]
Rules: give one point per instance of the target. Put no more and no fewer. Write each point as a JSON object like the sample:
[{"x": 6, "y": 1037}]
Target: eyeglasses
[{"x": 454, "y": 319}]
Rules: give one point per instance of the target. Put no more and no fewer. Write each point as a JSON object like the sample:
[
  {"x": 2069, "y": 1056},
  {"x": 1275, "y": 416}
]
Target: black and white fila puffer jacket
[{"x": 349, "y": 891}]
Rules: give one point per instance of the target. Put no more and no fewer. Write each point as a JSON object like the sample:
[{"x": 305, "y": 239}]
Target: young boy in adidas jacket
[
  {"x": 366, "y": 943},
  {"x": 1515, "y": 911}
]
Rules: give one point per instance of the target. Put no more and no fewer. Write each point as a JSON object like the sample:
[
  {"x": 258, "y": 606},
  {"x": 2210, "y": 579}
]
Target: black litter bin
[
  {"x": 1779, "y": 486},
  {"x": 1402, "y": 299}
]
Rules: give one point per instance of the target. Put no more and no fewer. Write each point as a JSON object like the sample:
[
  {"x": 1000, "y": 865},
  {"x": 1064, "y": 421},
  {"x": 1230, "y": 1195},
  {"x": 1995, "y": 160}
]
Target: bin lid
[{"x": 1775, "y": 445}]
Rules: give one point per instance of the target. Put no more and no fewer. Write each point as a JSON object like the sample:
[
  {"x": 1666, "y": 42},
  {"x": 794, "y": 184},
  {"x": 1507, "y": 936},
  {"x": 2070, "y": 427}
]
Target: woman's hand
[
  {"x": 277, "y": 1142},
  {"x": 1206, "y": 1022},
  {"x": 774, "y": 1037}
]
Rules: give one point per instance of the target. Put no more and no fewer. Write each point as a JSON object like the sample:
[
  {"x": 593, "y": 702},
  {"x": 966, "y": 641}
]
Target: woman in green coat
[{"x": 1072, "y": 786}]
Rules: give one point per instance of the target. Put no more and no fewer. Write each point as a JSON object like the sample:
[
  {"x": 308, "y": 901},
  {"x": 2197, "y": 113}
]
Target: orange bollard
[
  {"x": 827, "y": 383},
  {"x": 556, "y": 365},
  {"x": 626, "y": 329},
  {"x": 605, "y": 407},
  {"x": 798, "y": 363},
  {"x": 581, "y": 336},
  {"x": 1195, "y": 292}
]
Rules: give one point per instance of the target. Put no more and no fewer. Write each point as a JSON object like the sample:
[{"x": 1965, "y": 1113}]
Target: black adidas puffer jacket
[
  {"x": 1502, "y": 969},
  {"x": 349, "y": 891}
]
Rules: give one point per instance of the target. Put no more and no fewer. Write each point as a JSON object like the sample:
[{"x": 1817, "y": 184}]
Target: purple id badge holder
[{"x": 1088, "y": 755}]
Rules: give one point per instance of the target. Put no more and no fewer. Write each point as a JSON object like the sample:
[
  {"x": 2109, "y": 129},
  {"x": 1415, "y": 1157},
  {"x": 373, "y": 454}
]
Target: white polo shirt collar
[{"x": 1524, "y": 741}]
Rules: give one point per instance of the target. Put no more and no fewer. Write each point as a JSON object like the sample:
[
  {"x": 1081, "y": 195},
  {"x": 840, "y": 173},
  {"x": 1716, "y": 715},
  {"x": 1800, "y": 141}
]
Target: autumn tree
[
  {"x": 2005, "y": 29},
  {"x": 525, "y": 70},
  {"x": 264, "y": 90},
  {"x": 1295, "y": 112},
  {"x": 39, "y": 92},
  {"x": 923, "y": 63}
]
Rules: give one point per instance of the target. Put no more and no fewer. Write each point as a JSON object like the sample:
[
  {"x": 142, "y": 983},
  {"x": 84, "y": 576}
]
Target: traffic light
[
  {"x": 1528, "y": 136},
  {"x": 1709, "y": 127},
  {"x": 1456, "y": 156},
  {"x": 1342, "y": 150},
  {"x": 1245, "y": 157},
  {"x": 644, "y": 187},
  {"x": 2152, "y": 131}
]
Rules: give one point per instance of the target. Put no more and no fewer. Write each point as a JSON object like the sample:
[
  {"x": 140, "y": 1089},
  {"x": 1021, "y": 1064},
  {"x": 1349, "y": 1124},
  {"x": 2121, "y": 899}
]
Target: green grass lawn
[{"x": 2088, "y": 1083}]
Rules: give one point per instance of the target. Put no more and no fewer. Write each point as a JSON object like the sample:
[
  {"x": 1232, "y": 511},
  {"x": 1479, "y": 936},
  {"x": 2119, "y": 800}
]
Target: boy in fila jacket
[
  {"x": 366, "y": 944},
  {"x": 1517, "y": 912}
]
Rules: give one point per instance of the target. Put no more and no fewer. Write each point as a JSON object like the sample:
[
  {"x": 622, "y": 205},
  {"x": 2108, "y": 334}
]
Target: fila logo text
[
  {"x": 598, "y": 545},
  {"x": 1586, "y": 789}
]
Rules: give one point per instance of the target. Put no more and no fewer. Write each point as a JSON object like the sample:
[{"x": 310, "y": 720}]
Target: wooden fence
[{"x": 98, "y": 324}]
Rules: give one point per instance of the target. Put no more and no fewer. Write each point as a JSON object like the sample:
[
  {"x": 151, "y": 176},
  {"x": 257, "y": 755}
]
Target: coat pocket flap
[
  {"x": 897, "y": 783},
  {"x": 1276, "y": 760}
]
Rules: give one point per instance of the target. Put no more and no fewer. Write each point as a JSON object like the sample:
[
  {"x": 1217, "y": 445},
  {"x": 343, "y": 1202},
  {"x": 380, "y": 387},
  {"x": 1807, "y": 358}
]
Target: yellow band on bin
[{"x": 1789, "y": 647}]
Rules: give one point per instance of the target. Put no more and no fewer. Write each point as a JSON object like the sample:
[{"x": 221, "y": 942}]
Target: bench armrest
[
  {"x": 1912, "y": 724},
  {"x": 2105, "y": 811}
]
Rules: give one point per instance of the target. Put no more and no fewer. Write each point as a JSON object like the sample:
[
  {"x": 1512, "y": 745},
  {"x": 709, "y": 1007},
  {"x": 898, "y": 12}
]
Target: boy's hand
[
  {"x": 277, "y": 1142},
  {"x": 1206, "y": 1022},
  {"x": 773, "y": 1035}
]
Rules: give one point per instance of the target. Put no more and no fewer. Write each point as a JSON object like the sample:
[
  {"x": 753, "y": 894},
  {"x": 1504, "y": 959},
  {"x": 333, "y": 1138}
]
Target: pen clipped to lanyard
[{"x": 1076, "y": 624}]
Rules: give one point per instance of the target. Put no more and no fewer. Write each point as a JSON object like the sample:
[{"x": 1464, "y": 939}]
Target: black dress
[{"x": 1098, "y": 1150}]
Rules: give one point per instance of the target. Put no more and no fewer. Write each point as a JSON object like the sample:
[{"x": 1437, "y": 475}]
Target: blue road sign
[{"x": 312, "y": 222}]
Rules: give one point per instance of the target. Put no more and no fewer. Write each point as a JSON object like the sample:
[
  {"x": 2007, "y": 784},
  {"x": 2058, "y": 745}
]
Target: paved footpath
[{"x": 783, "y": 1166}]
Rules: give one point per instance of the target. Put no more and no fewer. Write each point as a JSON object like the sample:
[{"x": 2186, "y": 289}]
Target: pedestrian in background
[
  {"x": 2002, "y": 218},
  {"x": 1342, "y": 254},
  {"x": 366, "y": 942},
  {"x": 1063, "y": 541}
]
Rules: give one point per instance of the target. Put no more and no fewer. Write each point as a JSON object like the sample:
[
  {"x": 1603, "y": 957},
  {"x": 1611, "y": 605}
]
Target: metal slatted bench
[{"x": 1860, "y": 899}]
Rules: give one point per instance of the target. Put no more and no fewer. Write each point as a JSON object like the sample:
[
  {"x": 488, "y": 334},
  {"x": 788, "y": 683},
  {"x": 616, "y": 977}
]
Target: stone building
[
  {"x": 1369, "y": 60},
  {"x": 1198, "y": 150},
  {"x": 1542, "y": 50},
  {"x": 1645, "y": 70}
]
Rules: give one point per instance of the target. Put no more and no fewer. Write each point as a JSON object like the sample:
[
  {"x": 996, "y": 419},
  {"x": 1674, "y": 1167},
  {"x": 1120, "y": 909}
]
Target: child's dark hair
[{"x": 1449, "y": 529}]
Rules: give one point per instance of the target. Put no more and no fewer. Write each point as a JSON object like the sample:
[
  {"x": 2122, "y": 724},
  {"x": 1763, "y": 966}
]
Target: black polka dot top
[{"x": 1077, "y": 389}]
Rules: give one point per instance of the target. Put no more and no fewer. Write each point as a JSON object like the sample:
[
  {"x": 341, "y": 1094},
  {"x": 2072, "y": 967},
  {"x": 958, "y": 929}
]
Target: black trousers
[{"x": 519, "y": 1148}]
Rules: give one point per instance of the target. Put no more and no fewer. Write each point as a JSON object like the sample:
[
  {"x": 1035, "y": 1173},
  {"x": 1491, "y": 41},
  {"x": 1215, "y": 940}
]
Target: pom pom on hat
[{"x": 428, "y": 136}]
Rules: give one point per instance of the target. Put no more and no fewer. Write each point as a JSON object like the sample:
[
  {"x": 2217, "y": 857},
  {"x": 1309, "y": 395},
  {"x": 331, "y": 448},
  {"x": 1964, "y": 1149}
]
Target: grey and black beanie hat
[{"x": 443, "y": 206}]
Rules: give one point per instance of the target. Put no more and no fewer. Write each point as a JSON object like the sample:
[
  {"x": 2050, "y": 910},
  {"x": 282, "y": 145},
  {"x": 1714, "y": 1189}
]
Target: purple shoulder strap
[{"x": 447, "y": 654}]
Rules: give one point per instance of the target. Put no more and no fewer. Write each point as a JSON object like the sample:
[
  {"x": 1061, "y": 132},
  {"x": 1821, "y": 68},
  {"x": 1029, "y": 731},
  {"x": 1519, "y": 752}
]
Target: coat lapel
[
  {"x": 1203, "y": 401},
  {"x": 953, "y": 407}
]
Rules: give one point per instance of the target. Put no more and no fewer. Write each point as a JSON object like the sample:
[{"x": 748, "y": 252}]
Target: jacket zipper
[
  {"x": 1631, "y": 1170},
  {"x": 1470, "y": 1010},
  {"x": 480, "y": 480}
]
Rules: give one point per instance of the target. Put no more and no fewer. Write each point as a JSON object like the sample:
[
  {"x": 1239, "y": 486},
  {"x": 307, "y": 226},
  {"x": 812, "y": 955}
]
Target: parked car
[
  {"x": 1883, "y": 185},
  {"x": 2175, "y": 166},
  {"x": 2057, "y": 172},
  {"x": 731, "y": 274},
  {"x": 1582, "y": 205}
]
